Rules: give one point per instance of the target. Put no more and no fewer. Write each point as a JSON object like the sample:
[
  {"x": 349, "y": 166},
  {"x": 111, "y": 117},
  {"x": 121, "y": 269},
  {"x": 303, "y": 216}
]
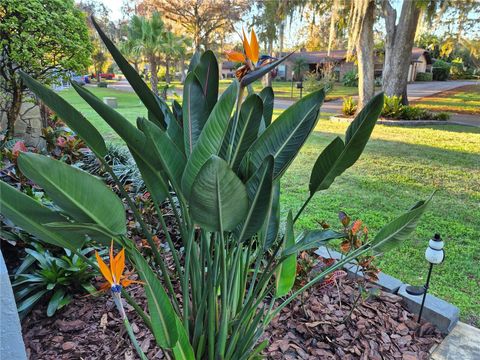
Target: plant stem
[
  {"x": 169, "y": 241},
  {"x": 316, "y": 279},
  {"x": 303, "y": 207},
  {"x": 143, "y": 225},
  {"x": 118, "y": 302}
]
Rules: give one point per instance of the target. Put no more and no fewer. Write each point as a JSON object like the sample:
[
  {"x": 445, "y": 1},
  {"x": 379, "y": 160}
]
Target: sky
[
  {"x": 291, "y": 39},
  {"x": 114, "y": 6}
]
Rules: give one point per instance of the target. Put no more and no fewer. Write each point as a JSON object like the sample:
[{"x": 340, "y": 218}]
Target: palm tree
[
  {"x": 175, "y": 48},
  {"x": 300, "y": 65},
  {"x": 129, "y": 50},
  {"x": 148, "y": 37}
]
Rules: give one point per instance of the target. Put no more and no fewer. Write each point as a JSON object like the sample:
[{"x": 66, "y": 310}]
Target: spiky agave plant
[{"x": 219, "y": 162}]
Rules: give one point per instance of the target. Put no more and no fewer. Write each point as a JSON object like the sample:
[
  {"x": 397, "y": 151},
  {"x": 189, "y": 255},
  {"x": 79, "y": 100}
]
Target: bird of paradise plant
[
  {"x": 113, "y": 274},
  {"x": 218, "y": 162},
  {"x": 250, "y": 59}
]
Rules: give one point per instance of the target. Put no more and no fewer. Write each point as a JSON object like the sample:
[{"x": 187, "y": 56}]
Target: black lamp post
[
  {"x": 434, "y": 255},
  {"x": 300, "y": 86}
]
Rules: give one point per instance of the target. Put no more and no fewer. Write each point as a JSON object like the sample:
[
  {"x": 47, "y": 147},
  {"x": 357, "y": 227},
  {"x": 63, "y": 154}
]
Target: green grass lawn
[
  {"x": 465, "y": 99},
  {"x": 399, "y": 166},
  {"x": 128, "y": 105},
  {"x": 283, "y": 89}
]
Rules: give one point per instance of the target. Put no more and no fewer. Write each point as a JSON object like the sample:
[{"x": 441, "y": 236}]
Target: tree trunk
[
  {"x": 267, "y": 79},
  {"x": 364, "y": 47},
  {"x": 13, "y": 111},
  {"x": 154, "y": 75},
  {"x": 183, "y": 68},
  {"x": 167, "y": 70},
  {"x": 398, "y": 47},
  {"x": 281, "y": 38}
]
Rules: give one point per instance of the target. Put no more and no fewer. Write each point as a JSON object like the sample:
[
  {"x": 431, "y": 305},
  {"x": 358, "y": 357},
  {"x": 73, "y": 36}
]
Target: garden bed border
[
  {"x": 440, "y": 313},
  {"x": 343, "y": 119}
]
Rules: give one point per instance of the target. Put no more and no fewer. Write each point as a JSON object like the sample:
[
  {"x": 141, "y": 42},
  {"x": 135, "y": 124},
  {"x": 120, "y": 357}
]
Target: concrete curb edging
[
  {"x": 436, "y": 311},
  {"x": 399, "y": 122},
  {"x": 11, "y": 341}
]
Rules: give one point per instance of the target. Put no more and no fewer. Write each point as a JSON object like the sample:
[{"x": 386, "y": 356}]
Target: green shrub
[
  {"x": 313, "y": 83},
  {"x": 442, "y": 116},
  {"x": 392, "y": 107},
  {"x": 350, "y": 78},
  {"x": 349, "y": 106},
  {"x": 121, "y": 161},
  {"x": 424, "y": 76},
  {"x": 441, "y": 70},
  {"x": 413, "y": 113},
  {"x": 222, "y": 176},
  {"x": 416, "y": 113},
  {"x": 42, "y": 275}
]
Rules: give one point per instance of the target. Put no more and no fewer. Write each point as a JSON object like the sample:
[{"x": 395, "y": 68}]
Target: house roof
[
  {"x": 417, "y": 52},
  {"x": 228, "y": 65},
  {"x": 318, "y": 57}
]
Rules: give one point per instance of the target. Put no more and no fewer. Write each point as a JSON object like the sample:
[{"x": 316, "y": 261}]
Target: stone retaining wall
[{"x": 28, "y": 126}]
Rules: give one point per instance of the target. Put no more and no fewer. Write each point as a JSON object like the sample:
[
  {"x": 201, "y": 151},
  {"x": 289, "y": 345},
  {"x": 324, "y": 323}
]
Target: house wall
[
  {"x": 343, "y": 68},
  {"x": 420, "y": 66}
]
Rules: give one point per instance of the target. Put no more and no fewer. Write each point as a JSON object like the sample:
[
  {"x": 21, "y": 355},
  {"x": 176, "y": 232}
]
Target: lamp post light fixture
[{"x": 434, "y": 255}]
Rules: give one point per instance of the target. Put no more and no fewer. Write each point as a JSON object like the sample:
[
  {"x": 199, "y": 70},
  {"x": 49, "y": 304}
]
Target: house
[{"x": 420, "y": 62}]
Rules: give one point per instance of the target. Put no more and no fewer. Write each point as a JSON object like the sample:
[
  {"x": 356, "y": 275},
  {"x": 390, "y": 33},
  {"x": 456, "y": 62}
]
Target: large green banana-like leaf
[
  {"x": 268, "y": 98},
  {"x": 195, "y": 112},
  {"x": 183, "y": 349},
  {"x": 247, "y": 128},
  {"x": 141, "y": 89},
  {"x": 219, "y": 199},
  {"x": 81, "y": 195},
  {"x": 94, "y": 231},
  {"x": 395, "y": 232},
  {"x": 30, "y": 215},
  {"x": 174, "y": 129},
  {"x": 72, "y": 117},
  {"x": 207, "y": 74},
  {"x": 162, "y": 315},
  {"x": 258, "y": 73},
  {"x": 312, "y": 239},
  {"x": 272, "y": 223},
  {"x": 194, "y": 61},
  {"x": 210, "y": 141},
  {"x": 149, "y": 166},
  {"x": 337, "y": 156},
  {"x": 172, "y": 159},
  {"x": 177, "y": 112},
  {"x": 259, "y": 190},
  {"x": 287, "y": 270},
  {"x": 285, "y": 136}
]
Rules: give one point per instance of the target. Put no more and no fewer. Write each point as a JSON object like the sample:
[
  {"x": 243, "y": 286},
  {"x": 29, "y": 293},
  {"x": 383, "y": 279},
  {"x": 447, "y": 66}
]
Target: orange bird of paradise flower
[
  {"x": 251, "y": 57},
  {"x": 114, "y": 273}
]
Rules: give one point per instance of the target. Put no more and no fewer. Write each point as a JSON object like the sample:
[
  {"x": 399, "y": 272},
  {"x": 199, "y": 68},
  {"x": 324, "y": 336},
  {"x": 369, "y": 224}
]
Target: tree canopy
[{"x": 44, "y": 38}]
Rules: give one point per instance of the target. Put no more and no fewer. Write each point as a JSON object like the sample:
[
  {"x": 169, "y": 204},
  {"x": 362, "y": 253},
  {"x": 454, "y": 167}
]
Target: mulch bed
[
  {"x": 318, "y": 327},
  {"x": 312, "y": 328}
]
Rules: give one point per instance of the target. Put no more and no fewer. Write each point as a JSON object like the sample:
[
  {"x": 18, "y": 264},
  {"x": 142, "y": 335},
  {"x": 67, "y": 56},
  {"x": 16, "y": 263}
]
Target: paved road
[{"x": 415, "y": 91}]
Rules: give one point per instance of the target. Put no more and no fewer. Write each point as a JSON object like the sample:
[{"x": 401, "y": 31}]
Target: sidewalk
[{"x": 463, "y": 343}]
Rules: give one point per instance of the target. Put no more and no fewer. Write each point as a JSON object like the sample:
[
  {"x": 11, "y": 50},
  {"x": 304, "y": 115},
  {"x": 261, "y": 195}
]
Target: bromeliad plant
[{"x": 219, "y": 162}]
